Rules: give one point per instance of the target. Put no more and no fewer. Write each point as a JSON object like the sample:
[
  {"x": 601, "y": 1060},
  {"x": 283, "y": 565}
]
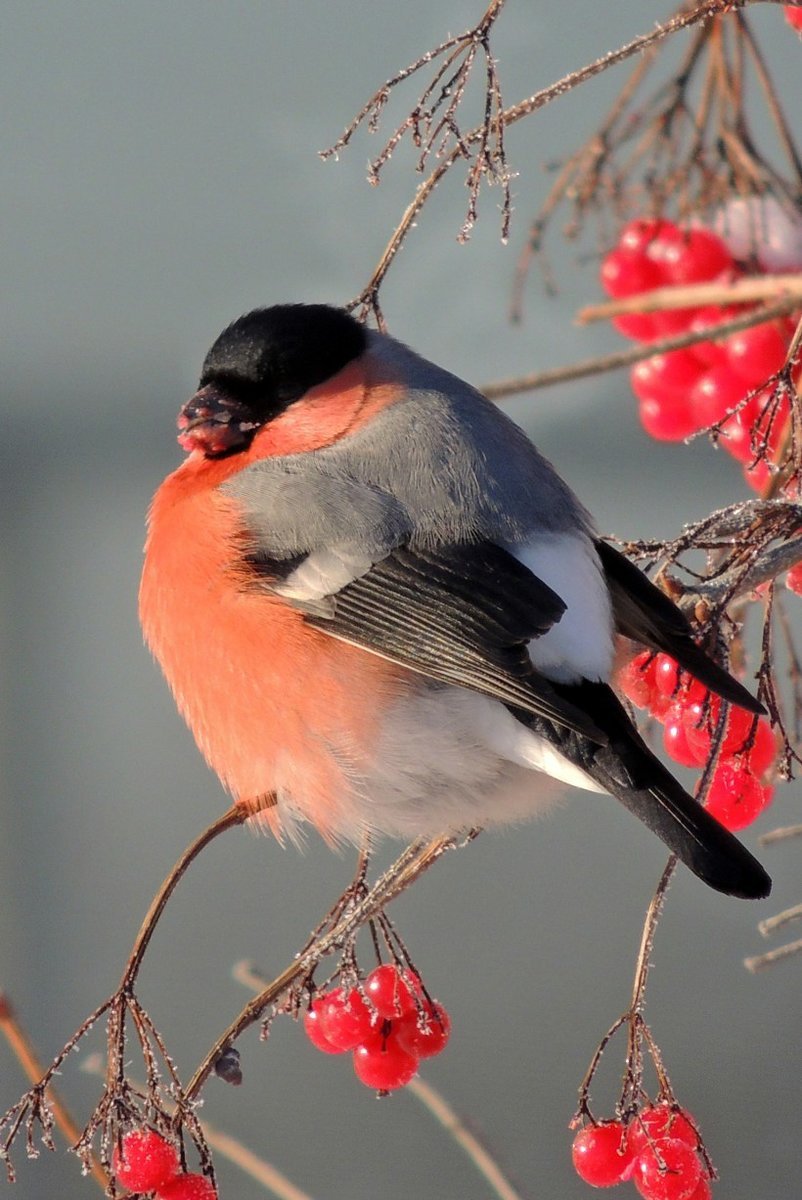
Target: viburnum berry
[
  {"x": 750, "y": 740},
  {"x": 793, "y": 16},
  {"x": 735, "y": 797},
  {"x": 703, "y": 1190},
  {"x": 664, "y": 375},
  {"x": 188, "y": 1187},
  {"x": 425, "y": 1033},
  {"x": 382, "y": 1062},
  {"x": 144, "y": 1161},
  {"x": 600, "y": 1154},
  {"x": 624, "y": 273},
  {"x": 347, "y": 1019},
  {"x": 678, "y": 745},
  {"x": 670, "y": 419},
  {"x": 793, "y": 580},
  {"x": 694, "y": 256},
  {"x": 715, "y": 392},
  {"x": 636, "y": 679},
  {"x": 757, "y": 352},
  {"x": 668, "y": 1170},
  {"x": 315, "y": 1026},
  {"x": 660, "y": 1121},
  {"x": 390, "y": 991}
]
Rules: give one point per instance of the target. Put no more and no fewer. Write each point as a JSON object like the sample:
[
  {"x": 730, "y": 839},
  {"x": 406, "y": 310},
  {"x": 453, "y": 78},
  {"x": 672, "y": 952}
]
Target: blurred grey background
[{"x": 160, "y": 177}]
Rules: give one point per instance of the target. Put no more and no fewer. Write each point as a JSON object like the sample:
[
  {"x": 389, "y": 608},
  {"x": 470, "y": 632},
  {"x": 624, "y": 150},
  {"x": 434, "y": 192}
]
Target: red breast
[{"x": 273, "y": 704}]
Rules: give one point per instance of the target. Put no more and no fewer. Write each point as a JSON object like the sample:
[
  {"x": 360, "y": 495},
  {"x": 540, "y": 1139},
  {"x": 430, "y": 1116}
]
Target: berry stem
[
  {"x": 22, "y": 1047},
  {"x": 502, "y": 388},
  {"x": 416, "y": 859}
]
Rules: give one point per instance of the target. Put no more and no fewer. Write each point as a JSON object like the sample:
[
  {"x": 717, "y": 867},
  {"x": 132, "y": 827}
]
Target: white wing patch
[
  {"x": 323, "y": 573},
  {"x": 582, "y": 642}
]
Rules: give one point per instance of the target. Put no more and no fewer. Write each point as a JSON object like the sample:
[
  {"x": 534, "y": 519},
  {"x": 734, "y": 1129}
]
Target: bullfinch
[{"x": 382, "y": 611}]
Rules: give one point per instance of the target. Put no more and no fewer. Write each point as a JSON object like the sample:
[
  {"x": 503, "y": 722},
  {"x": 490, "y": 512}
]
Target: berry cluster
[
  {"x": 388, "y": 1026},
  {"x": 793, "y": 16},
  {"x": 147, "y": 1162},
  {"x": 689, "y": 713},
  {"x": 687, "y": 390},
  {"x": 658, "y": 1151}
]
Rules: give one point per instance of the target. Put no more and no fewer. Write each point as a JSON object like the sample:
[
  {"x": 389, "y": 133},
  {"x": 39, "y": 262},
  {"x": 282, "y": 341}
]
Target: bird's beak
[{"x": 214, "y": 423}]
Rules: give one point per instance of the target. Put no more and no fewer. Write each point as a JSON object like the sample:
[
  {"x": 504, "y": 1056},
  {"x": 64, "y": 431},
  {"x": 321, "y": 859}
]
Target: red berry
[
  {"x": 666, "y": 674},
  {"x": 145, "y": 1161},
  {"x": 793, "y": 16},
  {"x": 384, "y": 1063},
  {"x": 712, "y": 354},
  {"x": 600, "y": 1154},
  {"x": 703, "y": 1190},
  {"x": 391, "y": 991},
  {"x": 188, "y": 1187},
  {"x": 735, "y": 797},
  {"x": 637, "y": 236},
  {"x": 347, "y": 1019},
  {"x": 663, "y": 375},
  {"x": 757, "y": 352},
  {"x": 793, "y": 580},
  {"x": 694, "y": 257},
  {"x": 641, "y": 327},
  {"x": 742, "y": 728},
  {"x": 315, "y": 1026},
  {"x": 669, "y": 1170},
  {"x": 659, "y": 1122},
  {"x": 636, "y": 679},
  {"x": 628, "y": 274},
  {"x": 676, "y": 741},
  {"x": 668, "y": 420},
  {"x": 717, "y": 391},
  {"x": 432, "y": 1038}
]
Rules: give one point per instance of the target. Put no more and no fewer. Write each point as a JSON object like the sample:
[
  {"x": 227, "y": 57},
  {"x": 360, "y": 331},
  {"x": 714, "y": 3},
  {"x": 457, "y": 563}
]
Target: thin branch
[
  {"x": 416, "y": 859},
  {"x": 697, "y": 295},
  {"x": 367, "y": 301},
  {"x": 439, "y": 1107},
  {"x": 760, "y": 961},
  {"x": 781, "y": 919},
  {"x": 502, "y": 388},
  {"x": 22, "y": 1047},
  {"x": 783, "y": 834}
]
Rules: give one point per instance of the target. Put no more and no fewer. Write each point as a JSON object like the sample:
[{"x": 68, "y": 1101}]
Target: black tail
[
  {"x": 627, "y": 769},
  {"x": 645, "y": 614}
]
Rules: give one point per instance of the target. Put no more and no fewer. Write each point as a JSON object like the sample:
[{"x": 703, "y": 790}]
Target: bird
[{"x": 383, "y": 613}]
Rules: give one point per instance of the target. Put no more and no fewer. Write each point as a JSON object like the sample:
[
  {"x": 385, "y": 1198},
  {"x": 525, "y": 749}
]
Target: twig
[
  {"x": 416, "y": 859},
  {"x": 367, "y": 300},
  {"x": 502, "y": 388},
  {"x": 21, "y": 1045},
  {"x": 697, "y": 295},
  {"x": 772, "y": 924},
  {"x": 760, "y": 961},
  {"x": 230, "y": 1147},
  {"x": 785, "y": 833},
  {"x": 439, "y": 1107}
]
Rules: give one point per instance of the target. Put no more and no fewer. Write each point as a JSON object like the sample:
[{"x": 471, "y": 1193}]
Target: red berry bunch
[
  {"x": 147, "y": 1162},
  {"x": 793, "y": 16},
  {"x": 687, "y": 390},
  {"x": 739, "y": 790},
  {"x": 658, "y": 1151},
  {"x": 387, "y": 1034}
]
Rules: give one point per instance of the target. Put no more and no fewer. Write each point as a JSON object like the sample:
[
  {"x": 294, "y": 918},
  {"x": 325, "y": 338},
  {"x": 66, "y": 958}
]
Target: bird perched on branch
[{"x": 381, "y": 611}]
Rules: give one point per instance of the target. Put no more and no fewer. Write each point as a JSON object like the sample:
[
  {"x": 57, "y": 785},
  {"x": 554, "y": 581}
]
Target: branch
[
  {"x": 697, "y": 295},
  {"x": 627, "y": 358}
]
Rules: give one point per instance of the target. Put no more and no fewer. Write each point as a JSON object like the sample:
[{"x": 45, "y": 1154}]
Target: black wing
[
  {"x": 645, "y": 614},
  {"x": 626, "y": 768},
  {"x": 460, "y": 614}
]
